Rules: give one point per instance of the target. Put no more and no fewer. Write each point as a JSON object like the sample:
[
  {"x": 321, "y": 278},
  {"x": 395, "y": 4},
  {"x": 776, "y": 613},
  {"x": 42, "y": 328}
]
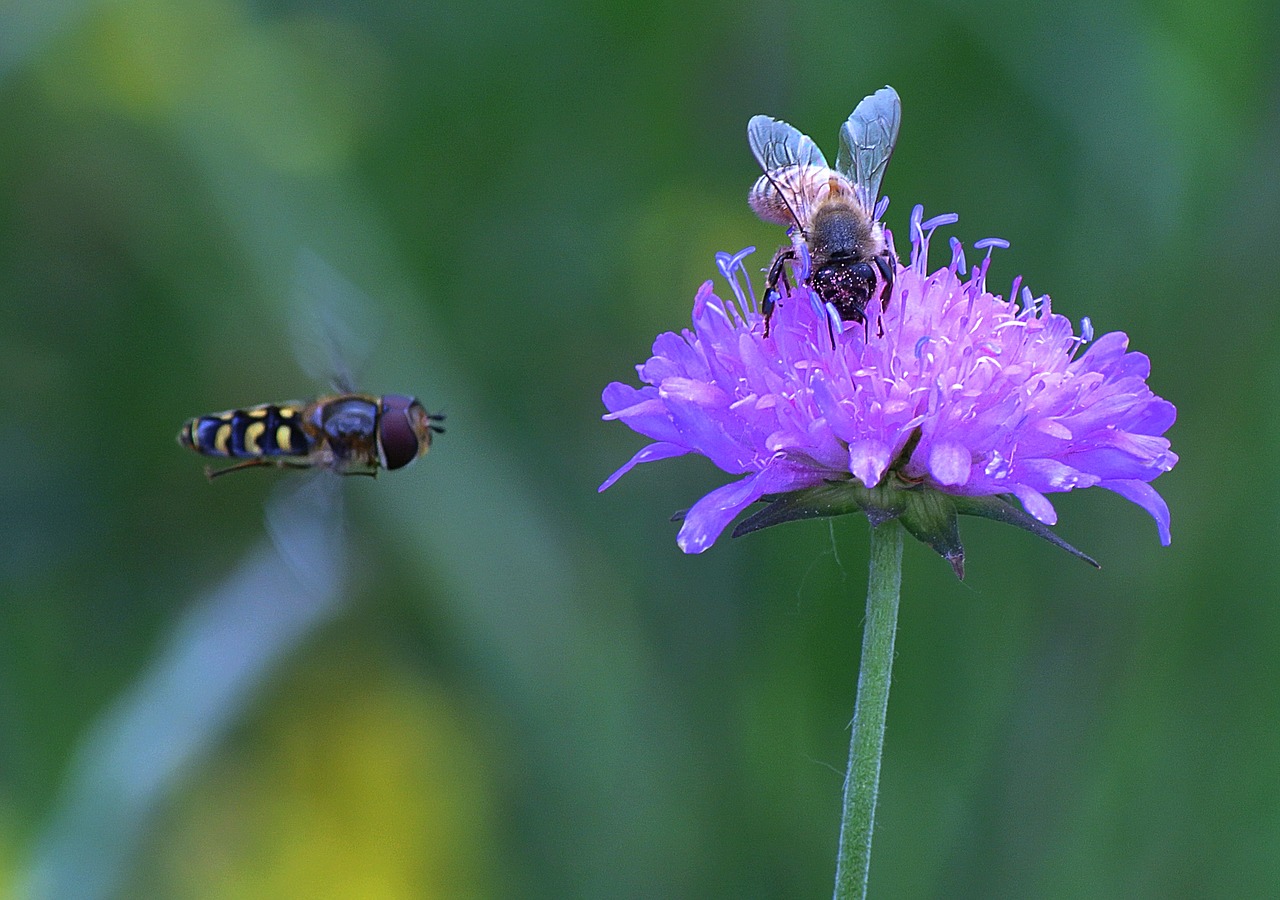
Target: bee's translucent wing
[
  {"x": 786, "y": 155},
  {"x": 777, "y": 145},
  {"x": 329, "y": 322},
  {"x": 866, "y": 143}
]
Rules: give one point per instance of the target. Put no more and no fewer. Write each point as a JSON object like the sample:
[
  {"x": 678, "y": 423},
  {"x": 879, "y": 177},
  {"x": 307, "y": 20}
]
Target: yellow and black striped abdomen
[{"x": 259, "y": 431}]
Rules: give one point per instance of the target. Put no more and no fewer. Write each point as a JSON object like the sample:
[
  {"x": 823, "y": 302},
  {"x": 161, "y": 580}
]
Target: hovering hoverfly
[
  {"x": 351, "y": 434},
  {"x": 831, "y": 213},
  {"x": 346, "y": 432}
]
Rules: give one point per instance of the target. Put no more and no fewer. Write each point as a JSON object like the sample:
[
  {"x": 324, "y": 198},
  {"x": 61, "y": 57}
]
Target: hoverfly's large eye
[{"x": 397, "y": 439}]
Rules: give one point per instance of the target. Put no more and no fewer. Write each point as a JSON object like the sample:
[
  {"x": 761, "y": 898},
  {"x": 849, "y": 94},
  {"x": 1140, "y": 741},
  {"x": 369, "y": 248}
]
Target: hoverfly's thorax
[
  {"x": 347, "y": 426},
  {"x": 348, "y": 417}
]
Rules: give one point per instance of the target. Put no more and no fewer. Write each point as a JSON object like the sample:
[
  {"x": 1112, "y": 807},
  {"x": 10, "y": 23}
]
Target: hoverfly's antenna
[{"x": 435, "y": 419}]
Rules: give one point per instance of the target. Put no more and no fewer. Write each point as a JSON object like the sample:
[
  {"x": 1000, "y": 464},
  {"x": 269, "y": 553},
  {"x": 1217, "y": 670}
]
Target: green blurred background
[{"x": 522, "y": 688}]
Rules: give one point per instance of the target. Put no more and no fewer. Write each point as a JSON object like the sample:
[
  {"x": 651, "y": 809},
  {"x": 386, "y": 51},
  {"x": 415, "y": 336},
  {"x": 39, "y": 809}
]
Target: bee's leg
[
  {"x": 884, "y": 263},
  {"x": 211, "y": 473},
  {"x": 777, "y": 275}
]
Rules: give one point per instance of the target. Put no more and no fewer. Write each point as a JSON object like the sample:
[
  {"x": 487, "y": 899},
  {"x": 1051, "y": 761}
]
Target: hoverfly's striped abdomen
[{"x": 259, "y": 431}]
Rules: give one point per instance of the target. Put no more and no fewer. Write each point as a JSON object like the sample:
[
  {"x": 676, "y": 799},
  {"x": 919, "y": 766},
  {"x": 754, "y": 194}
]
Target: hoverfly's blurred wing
[
  {"x": 866, "y": 143},
  {"x": 330, "y": 323},
  {"x": 308, "y": 530},
  {"x": 786, "y": 155}
]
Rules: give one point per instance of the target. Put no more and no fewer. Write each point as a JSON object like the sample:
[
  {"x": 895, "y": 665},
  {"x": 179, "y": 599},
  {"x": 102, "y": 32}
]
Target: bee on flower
[{"x": 968, "y": 400}]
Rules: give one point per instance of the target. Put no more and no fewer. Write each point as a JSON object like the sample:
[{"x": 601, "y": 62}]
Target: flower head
[{"x": 955, "y": 393}]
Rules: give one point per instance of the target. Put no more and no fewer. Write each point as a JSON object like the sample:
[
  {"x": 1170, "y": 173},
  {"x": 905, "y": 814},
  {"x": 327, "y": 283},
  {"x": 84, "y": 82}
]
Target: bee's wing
[
  {"x": 783, "y": 152},
  {"x": 866, "y": 143},
  {"x": 777, "y": 145},
  {"x": 329, "y": 323}
]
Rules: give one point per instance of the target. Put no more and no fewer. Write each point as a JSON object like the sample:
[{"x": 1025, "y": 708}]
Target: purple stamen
[
  {"x": 731, "y": 266},
  {"x": 803, "y": 263},
  {"x": 957, "y": 256},
  {"x": 938, "y": 221},
  {"x": 917, "y": 213}
]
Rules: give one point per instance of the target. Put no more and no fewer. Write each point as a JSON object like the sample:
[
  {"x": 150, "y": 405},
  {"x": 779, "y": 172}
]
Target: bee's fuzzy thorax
[{"x": 843, "y": 230}]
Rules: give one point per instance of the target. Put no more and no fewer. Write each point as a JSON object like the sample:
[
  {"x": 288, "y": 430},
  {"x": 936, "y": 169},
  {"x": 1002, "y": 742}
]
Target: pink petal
[
  {"x": 950, "y": 463},
  {"x": 868, "y": 461},
  {"x": 651, "y": 453}
]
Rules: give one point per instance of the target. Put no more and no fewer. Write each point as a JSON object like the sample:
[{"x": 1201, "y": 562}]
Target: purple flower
[{"x": 955, "y": 391}]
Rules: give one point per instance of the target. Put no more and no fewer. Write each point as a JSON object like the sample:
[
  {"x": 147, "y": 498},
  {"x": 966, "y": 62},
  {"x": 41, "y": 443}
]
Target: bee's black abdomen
[{"x": 848, "y": 287}]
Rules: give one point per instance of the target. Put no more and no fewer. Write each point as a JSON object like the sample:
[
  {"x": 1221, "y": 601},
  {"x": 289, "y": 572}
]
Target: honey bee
[
  {"x": 831, "y": 214},
  {"x": 348, "y": 433}
]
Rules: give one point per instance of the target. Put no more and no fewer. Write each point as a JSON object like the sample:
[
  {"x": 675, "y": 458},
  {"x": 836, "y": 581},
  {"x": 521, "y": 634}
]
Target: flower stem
[{"x": 862, "y": 780}]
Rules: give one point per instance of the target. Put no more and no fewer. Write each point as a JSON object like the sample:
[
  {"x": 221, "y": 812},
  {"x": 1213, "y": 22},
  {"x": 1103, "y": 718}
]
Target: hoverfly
[
  {"x": 831, "y": 213},
  {"x": 349, "y": 433},
  {"x": 346, "y": 432}
]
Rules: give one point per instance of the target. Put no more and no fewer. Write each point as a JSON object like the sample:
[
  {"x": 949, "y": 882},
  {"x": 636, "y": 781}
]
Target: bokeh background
[{"x": 496, "y": 682}]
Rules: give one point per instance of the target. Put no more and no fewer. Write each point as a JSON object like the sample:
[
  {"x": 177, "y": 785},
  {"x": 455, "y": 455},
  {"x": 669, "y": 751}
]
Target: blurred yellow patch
[
  {"x": 359, "y": 784},
  {"x": 297, "y": 93}
]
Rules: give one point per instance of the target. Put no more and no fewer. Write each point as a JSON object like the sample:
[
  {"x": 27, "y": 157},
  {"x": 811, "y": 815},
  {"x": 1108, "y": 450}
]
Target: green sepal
[
  {"x": 930, "y": 518},
  {"x": 929, "y": 515},
  {"x": 831, "y": 498},
  {"x": 1001, "y": 509}
]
